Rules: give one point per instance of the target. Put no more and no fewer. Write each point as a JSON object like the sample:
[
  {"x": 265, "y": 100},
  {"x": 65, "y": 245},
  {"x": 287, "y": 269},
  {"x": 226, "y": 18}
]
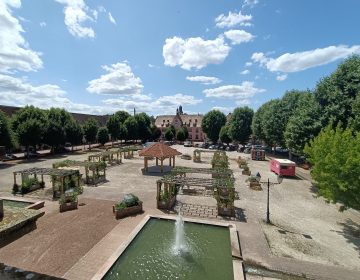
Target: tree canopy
[
  {"x": 103, "y": 135},
  {"x": 224, "y": 134},
  {"x": 211, "y": 124},
  {"x": 132, "y": 128},
  {"x": 90, "y": 128},
  {"x": 335, "y": 155},
  {"x": 169, "y": 135},
  {"x": 180, "y": 134},
  {"x": 239, "y": 128},
  {"x": 6, "y": 135}
]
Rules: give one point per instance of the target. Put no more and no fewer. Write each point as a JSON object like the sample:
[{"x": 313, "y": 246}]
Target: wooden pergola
[
  {"x": 197, "y": 154},
  {"x": 56, "y": 175},
  {"x": 98, "y": 169},
  {"x": 215, "y": 173},
  {"x": 159, "y": 151},
  {"x": 109, "y": 156}
]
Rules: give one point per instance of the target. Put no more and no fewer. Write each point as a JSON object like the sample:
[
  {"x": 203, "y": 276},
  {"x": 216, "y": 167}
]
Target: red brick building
[{"x": 180, "y": 119}]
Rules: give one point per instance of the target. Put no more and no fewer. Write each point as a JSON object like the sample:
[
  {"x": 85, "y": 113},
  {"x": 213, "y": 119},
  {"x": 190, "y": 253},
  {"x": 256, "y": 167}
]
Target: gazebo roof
[{"x": 159, "y": 150}]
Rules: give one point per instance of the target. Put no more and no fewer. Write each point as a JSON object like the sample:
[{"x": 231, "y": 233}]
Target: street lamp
[{"x": 279, "y": 181}]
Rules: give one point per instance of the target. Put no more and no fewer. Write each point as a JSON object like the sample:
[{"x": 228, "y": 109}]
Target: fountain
[
  {"x": 179, "y": 235},
  {"x": 174, "y": 248}
]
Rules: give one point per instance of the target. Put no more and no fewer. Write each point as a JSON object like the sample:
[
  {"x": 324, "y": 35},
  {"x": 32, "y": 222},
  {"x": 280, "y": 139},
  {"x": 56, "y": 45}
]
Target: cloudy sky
[{"x": 102, "y": 56}]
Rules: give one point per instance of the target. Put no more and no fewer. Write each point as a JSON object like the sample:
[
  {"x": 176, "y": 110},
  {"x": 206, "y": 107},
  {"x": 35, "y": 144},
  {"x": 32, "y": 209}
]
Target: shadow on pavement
[{"x": 351, "y": 232}]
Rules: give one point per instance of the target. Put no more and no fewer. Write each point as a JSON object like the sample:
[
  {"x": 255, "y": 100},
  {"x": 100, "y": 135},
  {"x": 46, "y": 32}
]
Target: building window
[
  {"x": 197, "y": 130},
  {"x": 197, "y": 137}
]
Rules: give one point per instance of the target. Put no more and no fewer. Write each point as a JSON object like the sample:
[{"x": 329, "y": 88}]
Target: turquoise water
[
  {"x": 14, "y": 203},
  {"x": 151, "y": 255}
]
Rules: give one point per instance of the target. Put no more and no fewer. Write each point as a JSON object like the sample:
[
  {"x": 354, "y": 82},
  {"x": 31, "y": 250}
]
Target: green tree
[
  {"x": 57, "y": 120},
  {"x": 186, "y": 131},
  {"x": 122, "y": 116},
  {"x": 91, "y": 127},
  {"x": 335, "y": 155},
  {"x": 103, "y": 135},
  {"x": 29, "y": 126},
  {"x": 211, "y": 124},
  {"x": 123, "y": 133},
  {"x": 337, "y": 92},
  {"x": 355, "y": 121},
  {"x": 224, "y": 134},
  {"x": 303, "y": 125},
  {"x": 180, "y": 135},
  {"x": 169, "y": 136},
  {"x": 113, "y": 126},
  {"x": 143, "y": 123},
  {"x": 240, "y": 124},
  {"x": 7, "y": 138},
  {"x": 132, "y": 128},
  {"x": 74, "y": 133},
  {"x": 155, "y": 132}
]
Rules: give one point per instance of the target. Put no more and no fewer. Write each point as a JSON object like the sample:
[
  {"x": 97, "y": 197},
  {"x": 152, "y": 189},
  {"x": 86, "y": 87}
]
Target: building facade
[{"x": 181, "y": 119}]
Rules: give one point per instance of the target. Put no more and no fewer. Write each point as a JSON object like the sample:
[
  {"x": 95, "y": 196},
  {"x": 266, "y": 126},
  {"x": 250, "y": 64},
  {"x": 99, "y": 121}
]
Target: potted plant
[
  {"x": 226, "y": 208},
  {"x": 166, "y": 200},
  {"x": 254, "y": 184},
  {"x": 68, "y": 201},
  {"x": 246, "y": 171},
  {"x": 130, "y": 205}
]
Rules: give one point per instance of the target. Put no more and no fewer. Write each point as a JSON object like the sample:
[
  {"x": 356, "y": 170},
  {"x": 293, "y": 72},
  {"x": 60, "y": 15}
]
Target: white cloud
[
  {"x": 245, "y": 90},
  {"x": 281, "y": 77},
  {"x": 250, "y": 3},
  {"x": 119, "y": 80},
  {"x": 233, "y": 19},
  {"x": 101, "y": 9},
  {"x": 204, "y": 80},
  {"x": 163, "y": 105},
  {"x": 112, "y": 20},
  {"x": 248, "y": 64},
  {"x": 42, "y": 24},
  {"x": 299, "y": 61},
  {"x": 245, "y": 72},
  {"x": 18, "y": 92},
  {"x": 15, "y": 53},
  {"x": 76, "y": 14},
  {"x": 194, "y": 52},
  {"x": 243, "y": 102},
  {"x": 239, "y": 36},
  {"x": 225, "y": 110}
]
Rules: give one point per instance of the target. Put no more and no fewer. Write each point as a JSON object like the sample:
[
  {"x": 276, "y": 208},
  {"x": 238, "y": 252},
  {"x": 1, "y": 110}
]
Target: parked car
[
  {"x": 204, "y": 145},
  {"x": 10, "y": 156},
  {"x": 148, "y": 144},
  {"x": 212, "y": 147},
  {"x": 187, "y": 144},
  {"x": 247, "y": 150}
]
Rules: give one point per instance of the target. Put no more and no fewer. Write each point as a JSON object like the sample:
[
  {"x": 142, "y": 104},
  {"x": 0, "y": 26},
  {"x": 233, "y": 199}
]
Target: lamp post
[{"x": 279, "y": 181}]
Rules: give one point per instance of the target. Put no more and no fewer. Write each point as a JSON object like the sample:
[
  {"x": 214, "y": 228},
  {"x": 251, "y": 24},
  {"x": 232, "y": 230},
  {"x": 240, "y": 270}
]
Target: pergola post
[
  {"x": 161, "y": 167},
  {"x": 62, "y": 185},
  {"x": 174, "y": 161},
  {"x": 170, "y": 161},
  {"x": 14, "y": 178},
  {"x": 145, "y": 164},
  {"x": 157, "y": 161}
]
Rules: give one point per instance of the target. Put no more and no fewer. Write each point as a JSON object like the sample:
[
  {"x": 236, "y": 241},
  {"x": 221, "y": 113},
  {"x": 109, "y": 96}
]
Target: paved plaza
[{"x": 305, "y": 230}]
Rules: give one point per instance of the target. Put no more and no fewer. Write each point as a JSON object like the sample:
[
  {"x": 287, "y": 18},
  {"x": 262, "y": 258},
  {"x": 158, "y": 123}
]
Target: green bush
[
  {"x": 68, "y": 197},
  {"x": 128, "y": 201},
  {"x": 15, "y": 189}
]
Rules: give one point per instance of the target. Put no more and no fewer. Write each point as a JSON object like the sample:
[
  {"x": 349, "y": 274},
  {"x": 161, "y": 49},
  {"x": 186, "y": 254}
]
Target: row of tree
[
  {"x": 237, "y": 128},
  {"x": 31, "y": 126},
  {"x": 299, "y": 116}
]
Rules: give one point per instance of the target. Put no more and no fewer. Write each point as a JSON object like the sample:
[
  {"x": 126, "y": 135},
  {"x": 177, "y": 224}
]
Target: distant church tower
[
  {"x": 180, "y": 110},
  {"x": 134, "y": 111}
]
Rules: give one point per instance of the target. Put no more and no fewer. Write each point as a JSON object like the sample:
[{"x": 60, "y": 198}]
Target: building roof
[
  {"x": 192, "y": 120},
  {"x": 164, "y": 119},
  {"x": 284, "y": 161},
  {"x": 159, "y": 150}
]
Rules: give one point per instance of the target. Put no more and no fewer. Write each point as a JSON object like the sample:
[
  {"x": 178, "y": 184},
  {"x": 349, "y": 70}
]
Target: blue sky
[{"x": 102, "y": 56}]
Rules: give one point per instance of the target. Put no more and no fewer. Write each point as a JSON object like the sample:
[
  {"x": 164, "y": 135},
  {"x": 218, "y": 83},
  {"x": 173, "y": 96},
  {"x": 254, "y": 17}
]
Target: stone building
[{"x": 180, "y": 119}]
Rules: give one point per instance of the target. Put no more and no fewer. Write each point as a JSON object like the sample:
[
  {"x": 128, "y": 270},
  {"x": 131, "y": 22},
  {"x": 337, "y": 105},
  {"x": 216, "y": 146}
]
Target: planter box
[
  {"x": 229, "y": 212},
  {"x": 168, "y": 205},
  {"x": 122, "y": 213},
  {"x": 68, "y": 206},
  {"x": 246, "y": 172},
  {"x": 255, "y": 186}
]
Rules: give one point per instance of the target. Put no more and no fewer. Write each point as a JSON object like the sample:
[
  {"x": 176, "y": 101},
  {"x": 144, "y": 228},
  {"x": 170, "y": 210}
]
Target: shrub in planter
[
  {"x": 68, "y": 201},
  {"x": 15, "y": 189},
  {"x": 186, "y": 156},
  {"x": 246, "y": 171},
  {"x": 129, "y": 206}
]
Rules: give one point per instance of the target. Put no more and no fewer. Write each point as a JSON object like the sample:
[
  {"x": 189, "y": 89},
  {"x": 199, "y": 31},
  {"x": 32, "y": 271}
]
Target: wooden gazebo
[{"x": 159, "y": 151}]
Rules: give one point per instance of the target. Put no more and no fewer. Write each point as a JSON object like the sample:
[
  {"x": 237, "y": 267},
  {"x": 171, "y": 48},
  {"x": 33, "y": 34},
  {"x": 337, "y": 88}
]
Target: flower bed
[
  {"x": 68, "y": 202},
  {"x": 130, "y": 205}
]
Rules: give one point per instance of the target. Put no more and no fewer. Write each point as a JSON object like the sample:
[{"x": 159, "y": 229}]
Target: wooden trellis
[
  {"x": 56, "y": 174},
  {"x": 197, "y": 154},
  {"x": 216, "y": 173},
  {"x": 111, "y": 157},
  {"x": 97, "y": 169}
]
